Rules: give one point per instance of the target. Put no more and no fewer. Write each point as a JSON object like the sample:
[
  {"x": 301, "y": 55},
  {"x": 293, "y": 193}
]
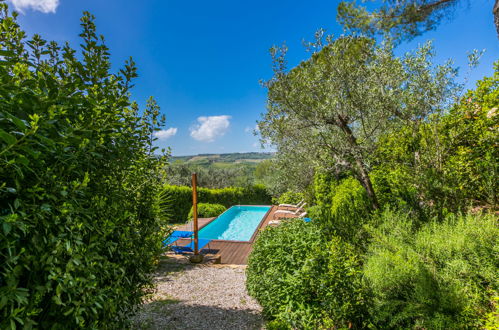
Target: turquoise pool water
[{"x": 238, "y": 223}]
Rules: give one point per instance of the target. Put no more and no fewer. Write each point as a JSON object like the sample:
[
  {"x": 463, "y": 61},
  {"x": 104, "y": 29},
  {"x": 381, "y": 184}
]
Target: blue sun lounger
[
  {"x": 176, "y": 235},
  {"x": 202, "y": 242}
]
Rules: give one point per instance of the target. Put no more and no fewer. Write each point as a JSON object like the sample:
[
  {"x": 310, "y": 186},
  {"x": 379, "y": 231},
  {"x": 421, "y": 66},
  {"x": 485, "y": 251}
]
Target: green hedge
[
  {"x": 180, "y": 198},
  {"x": 80, "y": 220},
  {"x": 206, "y": 210}
]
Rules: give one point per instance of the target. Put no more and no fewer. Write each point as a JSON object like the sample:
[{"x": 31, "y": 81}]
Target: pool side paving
[{"x": 230, "y": 252}]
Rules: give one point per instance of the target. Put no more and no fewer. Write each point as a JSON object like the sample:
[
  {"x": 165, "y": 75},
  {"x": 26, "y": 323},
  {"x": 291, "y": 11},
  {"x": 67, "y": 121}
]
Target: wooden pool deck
[{"x": 230, "y": 252}]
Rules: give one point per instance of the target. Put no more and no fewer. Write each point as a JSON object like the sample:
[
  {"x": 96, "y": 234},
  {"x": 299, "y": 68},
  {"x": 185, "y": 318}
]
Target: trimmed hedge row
[
  {"x": 206, "y": 210},
  {"x": 180, "y": 198}
]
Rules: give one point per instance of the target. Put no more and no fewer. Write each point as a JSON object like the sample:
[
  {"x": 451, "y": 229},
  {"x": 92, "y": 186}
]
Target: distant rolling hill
[{"x": 229, "y": 158}]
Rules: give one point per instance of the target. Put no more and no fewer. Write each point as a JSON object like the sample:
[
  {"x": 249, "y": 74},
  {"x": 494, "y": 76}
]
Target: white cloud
[
  {"x": 209, "y": 128},
  {"x": 45, "y": 6},
  {"x": 166, "y": 133}
]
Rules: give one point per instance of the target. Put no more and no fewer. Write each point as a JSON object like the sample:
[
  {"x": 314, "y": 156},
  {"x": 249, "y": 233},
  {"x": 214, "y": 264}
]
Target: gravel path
[{"x": 199, "y": 297}]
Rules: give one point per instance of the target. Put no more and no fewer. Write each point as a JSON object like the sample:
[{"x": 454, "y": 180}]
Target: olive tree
[
  {"x": 329, "y": 110},
  {"x": 403, "y": 18}
]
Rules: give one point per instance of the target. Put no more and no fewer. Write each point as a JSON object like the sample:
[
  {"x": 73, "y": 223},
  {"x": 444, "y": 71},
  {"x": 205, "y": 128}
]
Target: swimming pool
[{"x": 238, "y": 223}]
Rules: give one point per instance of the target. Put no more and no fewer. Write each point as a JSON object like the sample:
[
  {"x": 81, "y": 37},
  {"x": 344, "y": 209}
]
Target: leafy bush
[
  {"x": 305, "y": 282},
  {"x": 206, "y": 210},
  {"x": 315, "y": 212},
  {"x": 290, "y": 197},
  {"x": 79, "y": 209},
  {"x": 439, "y": 277},
  {"x": 181, "y": 198},
  {"x": 447, "y": 163},
  {"x": 491, "y": 320},
  {"x": 349, "y": 211},
  {"x": 323, "y": 187},
  {"x": 394, "y": 188}
]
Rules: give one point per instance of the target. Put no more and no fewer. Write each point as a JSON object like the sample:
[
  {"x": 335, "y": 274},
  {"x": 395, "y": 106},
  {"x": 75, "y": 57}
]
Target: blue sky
[{"x": 202, "y": 60}]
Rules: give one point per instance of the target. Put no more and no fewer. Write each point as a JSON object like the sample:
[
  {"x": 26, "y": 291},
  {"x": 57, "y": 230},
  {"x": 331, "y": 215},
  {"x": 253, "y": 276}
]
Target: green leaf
[
  {"x": 7, "y": 138},
  {"x": 22, "y": 160},
  {"x": 4, "y": 52},
  {"x": 6, "y": 227},
  {"x": 18, "y": 122}
]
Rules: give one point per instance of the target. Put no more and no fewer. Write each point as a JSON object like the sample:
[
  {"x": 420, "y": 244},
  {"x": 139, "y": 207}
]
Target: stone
[{"x": 196, "y": 258}]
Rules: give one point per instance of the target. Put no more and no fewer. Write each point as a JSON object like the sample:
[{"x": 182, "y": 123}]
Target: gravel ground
[{"x": 199, "y": 297}]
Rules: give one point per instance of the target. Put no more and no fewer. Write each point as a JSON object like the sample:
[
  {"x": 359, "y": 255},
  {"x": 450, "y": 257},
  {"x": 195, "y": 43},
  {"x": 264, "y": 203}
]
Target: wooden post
[{"x": 195, "y": 211}]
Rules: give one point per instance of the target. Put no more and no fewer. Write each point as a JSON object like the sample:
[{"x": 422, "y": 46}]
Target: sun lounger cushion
[{"x": 176, "y": 235}]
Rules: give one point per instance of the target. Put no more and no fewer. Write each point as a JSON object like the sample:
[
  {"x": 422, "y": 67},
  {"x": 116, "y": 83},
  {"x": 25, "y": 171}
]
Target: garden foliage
[
  {"x": 290, "y": 197},
  {"x": 426, "y": 259},
  {"x": 442, "y": 276},
  {"x": 180, "y": 198},
  {"x": 448, "y": 163},
  {"x": 80, "y": 215},
  {"x": 304, "y": 281},
  {"x": 206, "y": 210}
]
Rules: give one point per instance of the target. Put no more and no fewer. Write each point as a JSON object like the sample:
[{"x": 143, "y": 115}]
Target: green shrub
[
  {"x": 491, "y": 320},
  {"x": 181, "y": 198},
  {"x": 441, "y": 276},
  {"x": 290, "y": 197},
  {"x": 448, "y": 163},
  {"x": 315, "y": 212},
  {"x": 394, "y": 189},
  {"x": 305, "y": 282},
  {"x": 323, "y": 188},
  {"x": 349, "y": 211},
  {"x": 80, "y": 225},
  {"x": 206, "y": 210}
]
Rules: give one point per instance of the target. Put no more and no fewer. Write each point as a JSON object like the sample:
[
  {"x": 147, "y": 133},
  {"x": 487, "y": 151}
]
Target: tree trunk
[
  {"x": 495, "y": 11},
  {"x": 363, "y": 173},
  {"x": 365, "y": 181}
]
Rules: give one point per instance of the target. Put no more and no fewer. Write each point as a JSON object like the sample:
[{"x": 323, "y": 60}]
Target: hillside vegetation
[{"x": 218, "y": 170}]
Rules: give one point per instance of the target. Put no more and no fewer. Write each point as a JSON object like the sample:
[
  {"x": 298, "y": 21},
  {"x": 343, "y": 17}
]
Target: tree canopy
[
  {"x": 402, "y": 18},
  {"x": 331, "y": 109}
]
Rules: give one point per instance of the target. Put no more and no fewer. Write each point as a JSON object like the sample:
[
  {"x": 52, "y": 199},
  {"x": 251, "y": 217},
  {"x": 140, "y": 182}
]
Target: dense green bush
[
  {"x": 80, "y": 222},
  {"x": 290, "y": 197},
  {"x": 304, "y": 281},
  {"x": 324, "y": 185},
  {"x": 448, "y": 163},
  {"x": 206, "y": 210},
  {"x": 181, "y": 198},
  {"x": 347, "y": 211},
  {"x": 315, "y": 212},
  {"x": 442, "y": 276}
]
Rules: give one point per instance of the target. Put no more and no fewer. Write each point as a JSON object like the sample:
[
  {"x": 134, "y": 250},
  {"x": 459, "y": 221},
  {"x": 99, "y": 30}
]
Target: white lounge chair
[
  {"x": 298, "y": 210},
  {"x": 298, "y": 206}
]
